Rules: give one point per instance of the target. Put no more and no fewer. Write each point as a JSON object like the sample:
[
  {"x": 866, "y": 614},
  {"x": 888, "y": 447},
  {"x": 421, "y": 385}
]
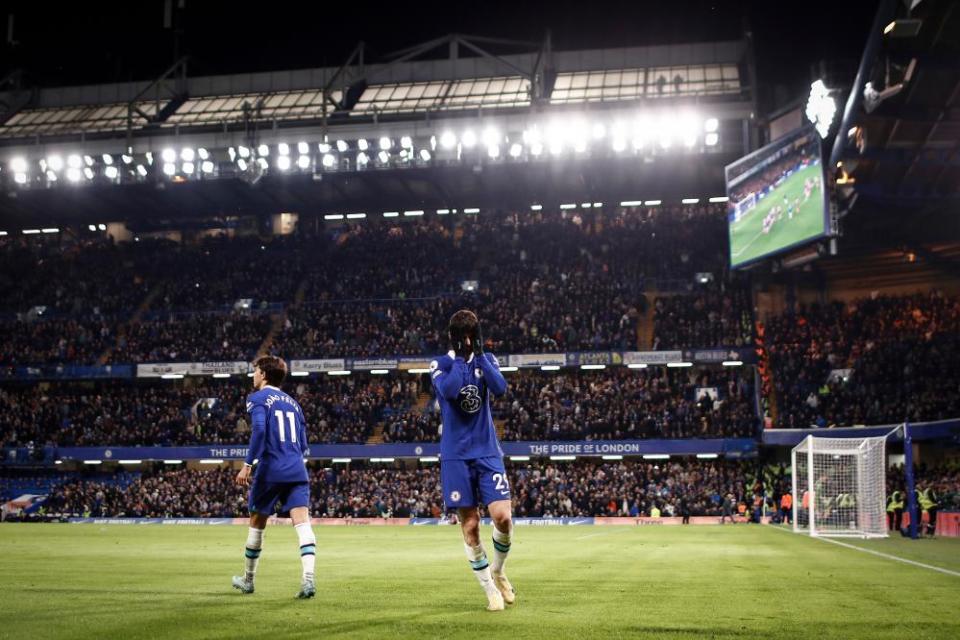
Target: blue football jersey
[
  {"x": 278, "y": 436},
  {"x": 463, "y": 390}
]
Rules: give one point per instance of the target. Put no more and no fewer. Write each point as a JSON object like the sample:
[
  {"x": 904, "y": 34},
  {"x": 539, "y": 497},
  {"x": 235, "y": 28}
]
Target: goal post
[{"x": 839, "y": 487}]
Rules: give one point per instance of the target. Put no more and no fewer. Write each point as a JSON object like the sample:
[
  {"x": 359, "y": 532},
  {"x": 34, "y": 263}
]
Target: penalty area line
[{"x": 880, "y": 554}]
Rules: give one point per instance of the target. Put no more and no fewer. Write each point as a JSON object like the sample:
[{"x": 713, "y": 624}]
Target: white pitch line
[
  {"x": 747, "y": 246},
  {"x": 888, "y": 556}
]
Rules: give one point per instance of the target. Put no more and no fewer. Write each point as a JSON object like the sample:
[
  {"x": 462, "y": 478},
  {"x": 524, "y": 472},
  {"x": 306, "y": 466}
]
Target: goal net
[
  {"x": 839, "y": 487},
  {"x": 741, "y": 207}
]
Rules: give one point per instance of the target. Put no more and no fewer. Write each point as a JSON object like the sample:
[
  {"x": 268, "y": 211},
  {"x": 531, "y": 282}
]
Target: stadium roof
[
  {"x": 319, "y": 123},
  {"x": 899, "y": 139},
  {"x": 406, "y": 87}
]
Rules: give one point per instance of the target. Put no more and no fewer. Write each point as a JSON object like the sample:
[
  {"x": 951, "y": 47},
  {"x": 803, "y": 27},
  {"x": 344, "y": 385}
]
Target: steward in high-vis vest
[
  {"x": 927, "y": 499},
  {"x": 895, "y": 511}
]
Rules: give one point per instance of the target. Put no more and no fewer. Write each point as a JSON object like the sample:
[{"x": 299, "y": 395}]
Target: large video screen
[{"x": 776, "y": 198}]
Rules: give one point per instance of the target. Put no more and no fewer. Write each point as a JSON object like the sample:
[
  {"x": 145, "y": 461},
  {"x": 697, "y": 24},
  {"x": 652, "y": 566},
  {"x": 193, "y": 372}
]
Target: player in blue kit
[
  {"x": 471, "y": 461},
  {"x": 278, "y": 440}
]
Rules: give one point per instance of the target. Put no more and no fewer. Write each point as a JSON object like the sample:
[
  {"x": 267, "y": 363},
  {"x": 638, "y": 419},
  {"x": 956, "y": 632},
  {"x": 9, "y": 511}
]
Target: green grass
[
  {"x": 92, "y": 581},
  {"x": 747, "y": 240}
]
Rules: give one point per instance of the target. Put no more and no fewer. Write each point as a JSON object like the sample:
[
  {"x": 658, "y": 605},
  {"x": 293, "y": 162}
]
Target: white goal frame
[{"x": 844, "y": 481}]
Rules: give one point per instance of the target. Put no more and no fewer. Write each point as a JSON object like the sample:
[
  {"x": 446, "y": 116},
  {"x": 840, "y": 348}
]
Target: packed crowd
[
  {"x": 542, "y": 281},
  {"x": 582, "y": 488},
  {"x": 170, "y": 414},
  {"x": 571, "y": 405},
  {"x": 718, "y": 316},
  {"x": 880, "y": 360},
  {"x": 614, "y": 404}
]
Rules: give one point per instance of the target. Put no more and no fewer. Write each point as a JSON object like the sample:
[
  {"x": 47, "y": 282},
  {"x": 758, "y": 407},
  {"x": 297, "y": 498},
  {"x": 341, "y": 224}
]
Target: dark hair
[
  {"x": 463, "y": 325},
  {"x": 274, "y": 369}
]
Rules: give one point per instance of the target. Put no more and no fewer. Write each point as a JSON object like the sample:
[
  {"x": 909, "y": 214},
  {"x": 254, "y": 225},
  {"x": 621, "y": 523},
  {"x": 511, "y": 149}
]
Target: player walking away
[
  {"x": 471, "y": 461},
  {"x": 278, "y": 440}
]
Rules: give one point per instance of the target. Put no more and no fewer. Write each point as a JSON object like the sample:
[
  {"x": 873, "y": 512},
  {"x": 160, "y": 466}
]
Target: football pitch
[
  {"x": 748, "y": 581},
  {"x": 747, "y": 240}
]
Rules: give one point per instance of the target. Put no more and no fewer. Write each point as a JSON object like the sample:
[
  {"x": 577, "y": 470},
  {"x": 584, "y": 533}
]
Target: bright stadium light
[
  {"x": 328, "y": 160},
  {"x": 168, "y": 155},
  {"x": 142, "y": 170},
  {"x": 102, "y": 227},
  {"x": 74, "y": 162},
  {"x": 383, "y": 157},
  {"x": 821, "y": 108},
  {"x": 385, "y": 143},
  {"x": 283, "y": 149},
  {"x": 687, "y": 129},
  {"x": 716, "y": 199},
  {"x": 690, "y": 200},
  {"x": 493, "y": 151},
  {"x": 550, "y": 367},
  {"x": 92, "y": 227},
  {"x": 203, "y": 153},
  {"x": 515, "y": 150},
  {"x": 469, "y": 139},
  {"x": 637, "y": 365},
  {"x": 425, "y": 155},
  {"x": 599, "y": 131},
  {"x": 711, "y": 124},
  {"x": 303, "y": 162},
  {"x": 490, "y": 137},
  {"x": 187, "y": 154},
  {"x": 362, "y": 160},
  {"x": 711, "y": 139},
  {"x": 619, "y": 144},
  {"x": 51, "y": 176},
  {"x": 188, "y": 168},
  {"x": 283, "y": 163},
  {"x": 243, "y": 152},
  {"x": 536, "y": 207},
  {"x": 168, "y": 168},
  {"x": 149, "y": 156},
  {"x": 406, "y": 142},
  {"x": 207, "y": 166},
  {"x": 54, "y": 162},
  {"x": 362, "y": 144},
  {"x": 536, "y": 148},
  {"x": 88, "y": 173},
  {"x": 303, "y": 148},
  {"x": 88, "y": 160},
  {"x": 448, "y": 140},
  {"x": 341, "y": 146},
  {"x": 263, "y": 164},
  {"x": 127, "y": 159},
  {"x": 263, "y": 151},
  {"x": 107, "y": 159},
  {"x": 242, "y": 164},
  {"x": 73, "y": 174}
]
